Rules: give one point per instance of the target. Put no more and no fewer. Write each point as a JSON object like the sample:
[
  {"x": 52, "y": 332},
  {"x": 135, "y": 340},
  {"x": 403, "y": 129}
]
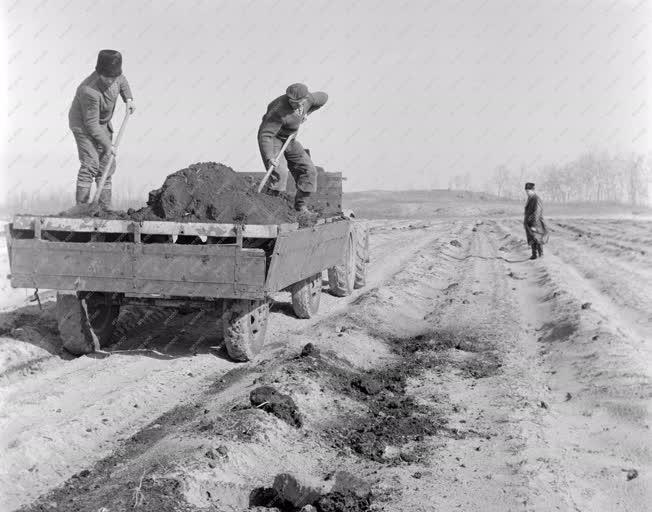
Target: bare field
[{"x": 463, "y": 377}]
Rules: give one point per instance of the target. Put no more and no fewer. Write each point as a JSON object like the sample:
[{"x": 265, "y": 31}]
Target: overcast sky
[{"x": 419, "y": 90}]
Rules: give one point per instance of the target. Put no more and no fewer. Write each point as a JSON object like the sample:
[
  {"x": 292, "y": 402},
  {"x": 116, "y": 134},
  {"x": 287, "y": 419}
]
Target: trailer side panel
[{"x": 306, "y": 252}]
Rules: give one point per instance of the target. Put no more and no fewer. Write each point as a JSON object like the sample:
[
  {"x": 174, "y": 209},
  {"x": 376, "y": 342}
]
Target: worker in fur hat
[
  {"x": 283, "y": 117},
  {"x": 90, "y": 122},
  {"x": 535, "y": 228}
]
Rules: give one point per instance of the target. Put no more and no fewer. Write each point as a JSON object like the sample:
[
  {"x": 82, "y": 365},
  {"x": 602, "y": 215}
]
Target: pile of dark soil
[
  {"x": 204, "y": 192},
  {"x": 274, "y": 402},
  {"x": 392, "y": 419},
  {"x": 215, "y": 192}
]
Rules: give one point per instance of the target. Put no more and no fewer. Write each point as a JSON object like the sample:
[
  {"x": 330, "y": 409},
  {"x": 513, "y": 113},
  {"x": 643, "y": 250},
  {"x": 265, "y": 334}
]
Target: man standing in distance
[{"x": 535, "y": 227}]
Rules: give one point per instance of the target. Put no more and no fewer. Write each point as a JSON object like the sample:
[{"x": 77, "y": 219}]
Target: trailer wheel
[
  {"x": 341, "y": 278},
  {"x": 244, "y": 324},
  {"x": 306, "y": 296},
  {"x": 361, "y": 257},
  {"x": 85, "y": 324}
]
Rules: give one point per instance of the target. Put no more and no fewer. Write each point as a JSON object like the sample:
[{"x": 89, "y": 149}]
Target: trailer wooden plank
[
  {"x": 151, "y": 227},
  {"x": 226, "y": 291},
  {"x": 72, "y": 260},
  {"x": 186, "y": 263},
  {"x": 147, "y": 227},
  {"x": 306, "y": 252},
  {"x": 200, "y": 264},
  {"x": 184, "y": 270}
]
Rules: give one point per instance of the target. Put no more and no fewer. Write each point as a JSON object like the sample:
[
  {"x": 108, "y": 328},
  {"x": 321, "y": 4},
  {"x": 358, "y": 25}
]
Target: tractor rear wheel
[
  {"x": 244, "y": 324},
  {"x": 306, "y": 296},
  {"x": 341, "y": 278}
]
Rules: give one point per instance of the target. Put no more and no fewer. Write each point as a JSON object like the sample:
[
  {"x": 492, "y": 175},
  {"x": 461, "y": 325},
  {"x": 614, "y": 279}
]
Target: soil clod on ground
[
  {"x": 342, "y": 502},
  {"x": 274, "y": 402},
  {"x": 296, "y": 491},
  {"x": 310, "y": 349},
  {"x": 368, "y": 385},
  {"x": 292, "y": 493}
]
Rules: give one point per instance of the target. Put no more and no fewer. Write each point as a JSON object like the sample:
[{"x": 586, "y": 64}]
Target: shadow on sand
[{"x": 160, "y": 333}]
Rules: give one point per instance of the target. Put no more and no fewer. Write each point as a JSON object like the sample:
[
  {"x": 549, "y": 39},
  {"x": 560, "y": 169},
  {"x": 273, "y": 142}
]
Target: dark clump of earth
[
  {"x": 267, "y": 497},
  {"x": 343, "y": 502},
  {"x": 394, "y": 421},
  {"x": 204, "y": 192},
  {"x": 274, "y": 402},
  {"x": 368, "y": 385},
  {"x": 346, "y": 501},
  {"x": 310, "y": 350}
]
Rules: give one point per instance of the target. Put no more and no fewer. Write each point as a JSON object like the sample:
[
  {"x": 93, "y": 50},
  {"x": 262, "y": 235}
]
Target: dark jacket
[
  {"x": 535, "y": 227},
  {"x": 92, "y": 108},
  {"x": 280, "y": 121}
]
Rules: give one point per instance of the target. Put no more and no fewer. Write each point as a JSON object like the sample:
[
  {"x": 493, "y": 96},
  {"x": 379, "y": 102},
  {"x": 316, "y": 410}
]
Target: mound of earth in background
[{"x": 205, "y": 192}]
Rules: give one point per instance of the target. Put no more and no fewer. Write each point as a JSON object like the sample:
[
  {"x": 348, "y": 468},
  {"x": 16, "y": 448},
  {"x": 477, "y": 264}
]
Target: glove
[
  {"x": 272, "y": 163},
  {"x": 131, "y": 106}
]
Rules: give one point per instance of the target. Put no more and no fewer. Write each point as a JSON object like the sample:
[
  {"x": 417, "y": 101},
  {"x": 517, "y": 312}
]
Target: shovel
[
  {"x": 274, "y": 164},
  {"x": 93, "y": 208},
  {"x": 109, "y": 162}
]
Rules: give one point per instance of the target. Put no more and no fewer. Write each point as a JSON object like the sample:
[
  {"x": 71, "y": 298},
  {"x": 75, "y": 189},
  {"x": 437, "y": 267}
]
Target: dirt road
[{"x": 464, "y": 376}]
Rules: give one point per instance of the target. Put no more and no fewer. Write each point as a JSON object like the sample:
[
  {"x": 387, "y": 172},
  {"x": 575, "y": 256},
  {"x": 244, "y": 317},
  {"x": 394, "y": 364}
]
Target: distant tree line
[{"x": 594, "y": 176}]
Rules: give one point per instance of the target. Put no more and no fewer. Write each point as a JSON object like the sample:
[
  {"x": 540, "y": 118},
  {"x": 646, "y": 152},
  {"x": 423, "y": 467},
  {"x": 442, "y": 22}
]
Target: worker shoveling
[
  {"x": 89, "y": 120},
  {"x": 210, "y": 192}
]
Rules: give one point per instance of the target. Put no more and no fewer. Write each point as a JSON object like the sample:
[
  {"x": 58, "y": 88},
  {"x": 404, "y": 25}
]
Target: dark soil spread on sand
[{"x": 204, "y": 192}]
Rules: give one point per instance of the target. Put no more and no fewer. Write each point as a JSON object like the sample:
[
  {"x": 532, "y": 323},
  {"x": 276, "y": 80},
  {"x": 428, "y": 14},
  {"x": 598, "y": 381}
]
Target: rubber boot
[
  {"x": 300, "y": 201},
  {"x": 540, "y": 250},
  {"x": 534, "y": 251},
  {"x": 105, "y": 198},
  {"x": 83, "y": 194}
]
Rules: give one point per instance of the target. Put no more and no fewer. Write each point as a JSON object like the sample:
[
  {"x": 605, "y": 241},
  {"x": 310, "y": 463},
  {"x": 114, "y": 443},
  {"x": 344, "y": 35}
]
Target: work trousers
[
  {"x": 92, "y": 160},
  {"x": 299, "y": 165}
]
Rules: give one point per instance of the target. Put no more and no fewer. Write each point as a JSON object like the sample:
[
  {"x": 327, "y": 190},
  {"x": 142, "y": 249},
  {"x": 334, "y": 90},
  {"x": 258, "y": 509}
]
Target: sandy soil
[{"x": 464, "y": 376}]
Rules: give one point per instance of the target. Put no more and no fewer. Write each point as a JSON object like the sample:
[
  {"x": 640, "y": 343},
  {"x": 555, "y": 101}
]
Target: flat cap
[{"x": 297, "y": 92}]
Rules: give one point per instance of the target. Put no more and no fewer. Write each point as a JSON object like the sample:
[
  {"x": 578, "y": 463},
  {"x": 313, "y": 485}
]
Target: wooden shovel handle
[
  {"x": 271, "y": 167},
  {"x": 109, "y": 162}
]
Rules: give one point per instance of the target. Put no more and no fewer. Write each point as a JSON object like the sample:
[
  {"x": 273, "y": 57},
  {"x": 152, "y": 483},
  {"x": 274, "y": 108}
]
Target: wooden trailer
[{"x": 98, "y": 265}]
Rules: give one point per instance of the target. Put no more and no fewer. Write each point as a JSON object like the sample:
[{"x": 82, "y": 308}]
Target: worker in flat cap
[
  {"x": 535, "y": 227},
  {"x": 90, "y": 121},
  {"x": 283, "y": 117}
]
